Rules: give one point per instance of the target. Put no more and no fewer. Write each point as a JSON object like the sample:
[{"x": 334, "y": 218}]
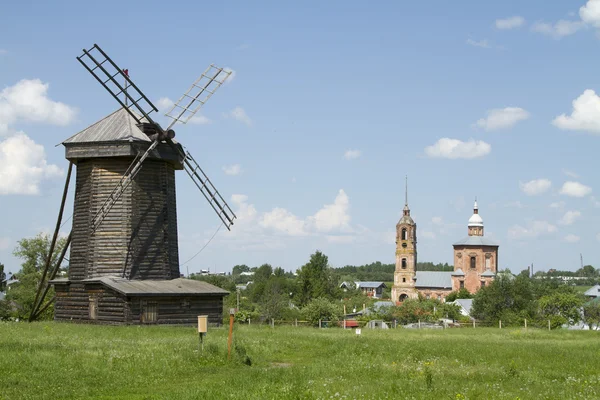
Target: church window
[
  {"x": 404, "y": 263},
  {"x": 403, "y": 280},
  {"x": 482, "y": 283},
  {"x": 404, "y": 245},
  {"x": 488, "y": 262},
  {"x": 462, "y": 284},
  {"x": 404, "y": 234},
  {"x": 472, "y": 262}
]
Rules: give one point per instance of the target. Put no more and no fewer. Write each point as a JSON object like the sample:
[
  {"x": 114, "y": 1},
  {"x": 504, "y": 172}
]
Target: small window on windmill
[
  {"x": 93, "y": 310},
  {"x": 150, "y": 312}
]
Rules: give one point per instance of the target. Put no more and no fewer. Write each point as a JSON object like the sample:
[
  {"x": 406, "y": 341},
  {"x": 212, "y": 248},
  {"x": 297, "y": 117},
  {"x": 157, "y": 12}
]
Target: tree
[
  {"x": 238, "y": 269},
  {"x": 459, "y": 294},
  {"x": 561, "y": 308},
  {"x": 507, "y": 298},
  {"x": 34, "y": 253},
  {"x": 591, "y": 314},
  {"x": 315, "y": 280},
  {"x": 321, "y": 309}
]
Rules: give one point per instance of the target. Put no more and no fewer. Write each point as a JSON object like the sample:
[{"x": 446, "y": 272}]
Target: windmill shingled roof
[
  {"x": 118, "y": 126},
  {"x": 173, "y": 287}
]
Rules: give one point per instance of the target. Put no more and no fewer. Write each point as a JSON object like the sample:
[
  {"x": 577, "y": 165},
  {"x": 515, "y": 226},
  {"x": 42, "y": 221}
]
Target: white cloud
[
  {"x": 352, "y": 154},
  {"x": 570, "y": 217},
  {"x": 23, "y": 166},
  {"x": 427, "y": 235},
  {"x": 164, "y": 104},
  {"x": 533, "y": 230},
  {"x": 570, "y": 174},
  {"x": 481, "y": 43},
  {"x": 231, "y": 76},
  {"x": 281, "y": 220},
  {"x": 570, "y": 238},
  {"x": 239, "y": 114},
  {"x": 557, "y": 204},
  {"x": 27, "y": 100},
  {"x": 502, "y": 118},
  {"x": 585, "y": 115},
  {"x": 535, "y": 187},
  {"x": 199, "y": 120},
  {"x": 590, "y": 13},
  {"x": 5, "y": 243},
  {"x": 510, "y": 22},
  {"x": 559, "y": 29},
  {"x": 234, "y": 169},
  {"x": 437, "y": 220},
  {"x": 341, "y": 239},
  {"x": 575, "y": 189},
  {"x": 333, "y": 217},
  {"x": 455, "y": 149}
]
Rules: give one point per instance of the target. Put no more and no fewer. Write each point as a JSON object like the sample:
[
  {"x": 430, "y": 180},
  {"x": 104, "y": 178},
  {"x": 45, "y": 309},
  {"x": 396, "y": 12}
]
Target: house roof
[
  {"x": 173, "y": 287},
  {"x": 118, "y": 126},
  {"x": 370, "y": 284},
  {"x": 475, "y": 241},
  {"x": 466, "y": 304},
  {"x": 433, "y": 279},
  {"x": 594, "y": 291}
]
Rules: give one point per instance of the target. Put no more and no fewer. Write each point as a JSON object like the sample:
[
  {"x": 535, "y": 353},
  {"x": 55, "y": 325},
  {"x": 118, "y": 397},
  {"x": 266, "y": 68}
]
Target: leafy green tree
[
  {"x": 238, "y": 269},
  {"x": 34, "y": 253},
  {"x": 224, "y": 282},
  {"x": 561, "y": 308},
  {"x": 507, "y": 298},
  {"x": 591, "y": 314},
  {"x": 321, "y": 309},
  {"x": 459, "y": 294},
  {"x": 316, "y": 280}
]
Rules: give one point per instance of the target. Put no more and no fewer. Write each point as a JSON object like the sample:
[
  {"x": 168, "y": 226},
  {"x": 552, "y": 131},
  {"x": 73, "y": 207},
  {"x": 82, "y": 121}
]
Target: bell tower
[{"x": 406, "y": 255}]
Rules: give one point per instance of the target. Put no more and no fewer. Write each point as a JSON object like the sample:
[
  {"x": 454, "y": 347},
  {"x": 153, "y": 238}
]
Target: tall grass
[{"x": 66, "y": 361}]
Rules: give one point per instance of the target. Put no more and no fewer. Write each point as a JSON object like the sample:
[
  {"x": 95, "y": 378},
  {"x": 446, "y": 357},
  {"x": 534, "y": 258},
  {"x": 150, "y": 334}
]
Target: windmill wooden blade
[
  {"x": 118, "y": 191},
  {"x": 209, "y": 191},
  {"x": 113, "y": 78},
  {"x": 197, "y": 95}
]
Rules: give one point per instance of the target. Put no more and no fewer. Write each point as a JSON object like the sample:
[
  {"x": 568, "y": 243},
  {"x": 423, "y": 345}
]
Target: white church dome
[{"x": 475, "y": 219}]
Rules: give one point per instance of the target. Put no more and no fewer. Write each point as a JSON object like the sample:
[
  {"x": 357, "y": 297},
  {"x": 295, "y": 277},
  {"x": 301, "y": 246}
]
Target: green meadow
[{"x": 69, "y": 361}]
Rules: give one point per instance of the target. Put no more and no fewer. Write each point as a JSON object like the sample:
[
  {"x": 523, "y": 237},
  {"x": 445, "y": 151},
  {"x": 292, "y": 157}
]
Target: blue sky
[{"x": 330, "y": 106}]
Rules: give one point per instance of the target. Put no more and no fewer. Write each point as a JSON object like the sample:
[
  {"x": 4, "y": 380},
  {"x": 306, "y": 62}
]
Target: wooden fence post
[
  {"x": 296, "y": 322},
  {"x": 272, "y": 323},
  {"x": 525, "y": 323},
  {"x": 319, "y": 324},
  {"x": 473, "y": 323},
  {"x": 548, "y": 324},
  {"x": 500, "y": 323},
  {"x": 419, "y": 323},
  {"x": 248, "y": 321}
]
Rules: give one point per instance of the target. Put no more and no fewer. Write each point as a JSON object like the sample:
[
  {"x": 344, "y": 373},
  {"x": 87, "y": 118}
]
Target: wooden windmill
[{"x": 124, "y": 262}]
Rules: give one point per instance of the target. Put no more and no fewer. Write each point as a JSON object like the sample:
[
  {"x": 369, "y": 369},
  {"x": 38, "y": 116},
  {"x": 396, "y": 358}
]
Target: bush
[{"x": 321, "y": 309}]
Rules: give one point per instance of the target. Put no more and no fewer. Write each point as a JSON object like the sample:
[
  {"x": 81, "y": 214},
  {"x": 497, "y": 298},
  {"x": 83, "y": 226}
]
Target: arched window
[
  {"x": 404, "y": 263},
  {"x": 472, "y": 262},
  {"x": 404, "y": 234},
  {"x": 403, "y": 280},
  {"x": 402, "y": 297}
]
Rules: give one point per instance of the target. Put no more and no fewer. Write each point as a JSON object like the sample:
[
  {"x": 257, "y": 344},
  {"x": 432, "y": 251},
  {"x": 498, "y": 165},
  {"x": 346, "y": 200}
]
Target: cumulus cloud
[
  {"x": 590, "y": 13},
  {"x": 575, "y": 189},
  {"x": 570, "y": 217},
  {"x": 533, "y": 230},
  {"x": 480, "y": 43},
  {"x": 455, "y": 149},
  {"x": 510, "y": 22},
  {"x": 234, "y": 169},
  {"x": 502, "y": 118},
  {"x": 333, "y": 216},
  {"x": 570, "y": 238},
  {"x": 557, "y": 204},
  {"x": 165, "y": 104},
  {"x": 585, "y": 115},
  {"x": 570, "y": 174},
  {"x": 427, "y": 235},
  {"x": 559, "y": 29},
  {"x": 28, "y": 100},
  {"x": 239, "y": 114},
  {"x": 281, "y": 220},
  {"x": 535, "y": 187},
  {"x": 352, "y": 154},
  {"x": 23, "y": 165}
]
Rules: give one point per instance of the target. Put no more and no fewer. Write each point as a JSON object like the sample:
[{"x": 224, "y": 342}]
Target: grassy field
[{"x": 65, "y": 361}]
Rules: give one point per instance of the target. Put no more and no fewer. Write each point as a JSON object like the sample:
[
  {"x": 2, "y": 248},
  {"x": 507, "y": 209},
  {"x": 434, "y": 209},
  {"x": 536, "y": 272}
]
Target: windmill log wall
[{"x": 138, "y": 237}]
